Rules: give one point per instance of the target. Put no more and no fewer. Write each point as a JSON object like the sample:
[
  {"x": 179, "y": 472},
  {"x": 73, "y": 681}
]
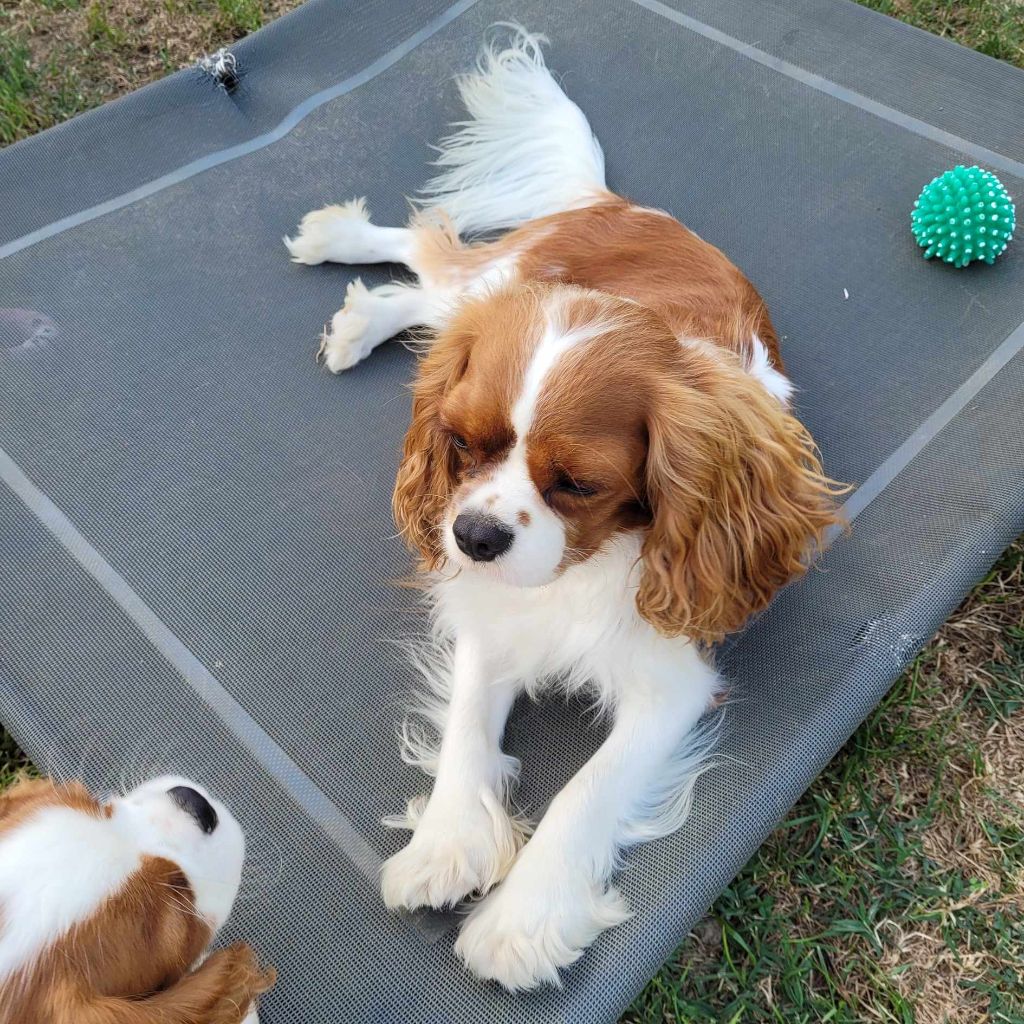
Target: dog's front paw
[
  {"x": 534, "y": 924},
  {"x": 456, "y": 850},
  {"x": 324, "y": 234}
]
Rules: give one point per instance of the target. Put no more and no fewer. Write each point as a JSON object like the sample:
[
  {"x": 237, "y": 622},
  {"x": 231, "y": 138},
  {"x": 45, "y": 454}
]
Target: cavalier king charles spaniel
[
  {"x": 602, "y": 477},
  {"x": 106, "y": 909}
]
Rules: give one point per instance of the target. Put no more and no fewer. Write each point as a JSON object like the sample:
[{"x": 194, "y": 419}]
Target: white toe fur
[
  {"x": 344, "y": 234},
  {"x": 452, "y": 855},
  {"x": 324, "y": 234},
  {"x": 347, "y": 341},
  {"x": 521, "y": 935}
]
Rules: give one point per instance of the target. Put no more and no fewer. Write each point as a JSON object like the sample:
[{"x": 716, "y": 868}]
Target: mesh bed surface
[{"x": 197, "y": 560}]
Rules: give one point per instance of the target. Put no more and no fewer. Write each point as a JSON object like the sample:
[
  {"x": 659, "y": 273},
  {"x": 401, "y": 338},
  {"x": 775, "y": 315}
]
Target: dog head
[
  {"x": 106, "y": 907},
  {"x": 547, "y": 420}
]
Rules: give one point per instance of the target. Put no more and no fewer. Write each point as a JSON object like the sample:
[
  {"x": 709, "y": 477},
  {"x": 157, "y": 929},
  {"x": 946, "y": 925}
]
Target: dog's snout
[
  {"x": 196, "y": 805},
  {"x": 483, "y": 538}
]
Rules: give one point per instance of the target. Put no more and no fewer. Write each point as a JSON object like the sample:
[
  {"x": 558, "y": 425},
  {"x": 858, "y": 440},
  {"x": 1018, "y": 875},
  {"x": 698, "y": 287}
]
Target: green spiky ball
[{"x": 962, "y": 216}]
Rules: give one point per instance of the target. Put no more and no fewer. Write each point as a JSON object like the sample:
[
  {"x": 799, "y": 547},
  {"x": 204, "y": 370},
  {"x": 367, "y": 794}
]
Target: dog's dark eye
[
  {"x": 459, "y": 442},
  {"x": 578, "y": 489}
]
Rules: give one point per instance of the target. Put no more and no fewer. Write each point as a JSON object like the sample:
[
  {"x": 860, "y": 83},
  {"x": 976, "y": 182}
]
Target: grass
[
  {"x": 12, "y": 761},
  {"x": 60, "y": 57},
  {"x": 894, "y": 891},
  {"x": 995, "y": 27}
]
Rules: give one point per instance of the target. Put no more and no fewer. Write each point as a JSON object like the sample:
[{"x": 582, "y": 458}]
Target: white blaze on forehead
[
  {"x": 553, "y": 345},
  {"x": 509, "y": 491}
]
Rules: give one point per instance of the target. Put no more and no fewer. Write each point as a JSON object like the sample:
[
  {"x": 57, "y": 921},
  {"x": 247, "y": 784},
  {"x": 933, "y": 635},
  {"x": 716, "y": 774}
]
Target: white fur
[
  {"x": 495, "y": 276},
  {"x": 464, "y": 840},
  {"x": 538, "y": 546},
  {"x": 42, "y": 897},
  {"x": 369, "y": 317},
  {"x": 58, "y": 868},
  {"x": 552, "y": 347},
  {"x": 580, "y": 631},
  {"x": 149, "y": 820},
  {"x": 527, "y": 150},
  {"x": 760, "y": 367},
  {"x": 541, "y": 919},
  {"x": 344, "y": 234}
]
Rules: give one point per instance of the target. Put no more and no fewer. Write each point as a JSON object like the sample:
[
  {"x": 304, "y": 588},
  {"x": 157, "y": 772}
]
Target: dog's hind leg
[
  {"x": 447, "y": 269},
  {"x": 372, "y": 316},
  {"x": 344, "y": 234}
]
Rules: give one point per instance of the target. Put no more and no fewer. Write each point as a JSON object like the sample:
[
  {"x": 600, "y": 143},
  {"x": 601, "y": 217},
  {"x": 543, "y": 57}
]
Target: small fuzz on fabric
[
  {"x": 222, "y": 67},
  {"x": 963, "y": 215}
]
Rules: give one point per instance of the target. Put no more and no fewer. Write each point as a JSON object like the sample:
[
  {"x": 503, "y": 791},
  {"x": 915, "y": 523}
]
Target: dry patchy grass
[
  {"x": 60, "y": 57},
  {"x": 995, "y": 27},
  {"x": 895, "y": 890}
]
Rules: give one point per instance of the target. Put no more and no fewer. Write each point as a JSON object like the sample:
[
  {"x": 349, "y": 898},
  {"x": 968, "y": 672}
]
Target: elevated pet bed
[{"x": 196, "y": 551}]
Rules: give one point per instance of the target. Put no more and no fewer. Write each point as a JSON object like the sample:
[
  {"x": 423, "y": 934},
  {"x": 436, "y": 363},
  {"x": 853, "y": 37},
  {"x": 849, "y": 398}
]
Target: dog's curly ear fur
[
  {"x": 221, "y": 990},
  {"x": 737, "y": 496},
  {"x": 427, "y": 473}
]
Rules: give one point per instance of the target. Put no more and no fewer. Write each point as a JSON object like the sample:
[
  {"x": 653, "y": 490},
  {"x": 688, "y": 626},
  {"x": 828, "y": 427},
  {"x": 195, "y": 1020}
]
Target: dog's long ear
[
  {"x": 427, "y": 473},
  {"x": 737, "y": 495},
  {"x": 221, "y": 990}
]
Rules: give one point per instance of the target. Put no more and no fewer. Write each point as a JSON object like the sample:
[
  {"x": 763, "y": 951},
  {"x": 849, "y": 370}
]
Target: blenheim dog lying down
[{"x": 602, "y": 477}]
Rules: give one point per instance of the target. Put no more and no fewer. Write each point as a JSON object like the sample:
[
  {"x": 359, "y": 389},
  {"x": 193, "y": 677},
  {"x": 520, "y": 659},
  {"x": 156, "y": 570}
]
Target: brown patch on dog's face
[
  {"x": 586, "y": 440},
  {"x": 144, "y": 937},
  {"x": 628, "y": 428}
]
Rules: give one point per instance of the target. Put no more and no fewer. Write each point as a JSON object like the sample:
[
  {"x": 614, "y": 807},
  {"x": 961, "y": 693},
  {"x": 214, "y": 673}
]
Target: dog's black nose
[
  {"x": 195, "y": 804},
  {"x": 481, "y": 537}
]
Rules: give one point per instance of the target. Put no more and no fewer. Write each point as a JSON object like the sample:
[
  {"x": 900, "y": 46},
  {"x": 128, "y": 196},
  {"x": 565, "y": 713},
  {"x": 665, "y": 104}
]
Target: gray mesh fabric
[{"x": 197, "y": 561}]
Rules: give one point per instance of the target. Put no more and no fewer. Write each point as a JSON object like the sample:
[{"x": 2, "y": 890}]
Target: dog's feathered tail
[{"x": 527, "y": 150}]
